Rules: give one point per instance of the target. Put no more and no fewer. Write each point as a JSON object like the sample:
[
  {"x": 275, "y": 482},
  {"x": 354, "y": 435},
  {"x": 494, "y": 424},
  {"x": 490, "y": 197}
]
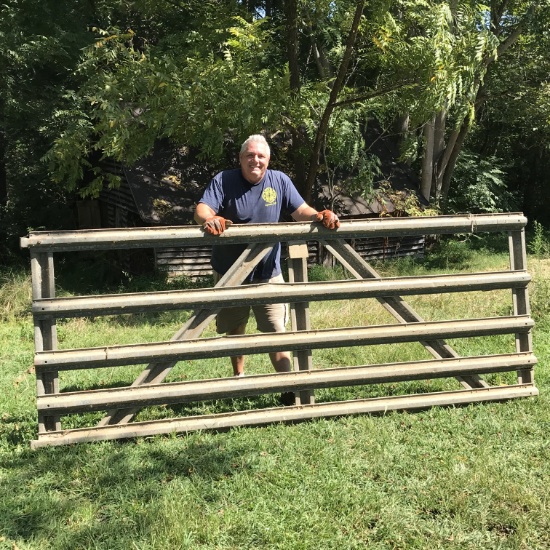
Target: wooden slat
[
  {"x": 520, "y": 298},
  {"x": 154, "y": 237},
  {"x": 45, "y": 331}
]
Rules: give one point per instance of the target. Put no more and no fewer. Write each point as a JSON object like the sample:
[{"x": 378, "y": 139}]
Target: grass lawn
[{"x": 454, "y": 478}]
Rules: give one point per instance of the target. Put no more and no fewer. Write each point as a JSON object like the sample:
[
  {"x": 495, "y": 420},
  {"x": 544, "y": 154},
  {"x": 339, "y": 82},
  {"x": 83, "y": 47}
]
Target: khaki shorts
[{"x": 269, "y": 317}]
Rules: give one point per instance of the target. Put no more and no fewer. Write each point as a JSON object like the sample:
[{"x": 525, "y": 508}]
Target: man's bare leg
[
  {"x": 237, "y": 361},
  {"x": 281, "y": 361}
]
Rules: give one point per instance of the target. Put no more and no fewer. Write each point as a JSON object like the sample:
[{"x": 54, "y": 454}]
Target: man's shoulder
[
  {"x": 278, "y": 176},
  {"x": 231, "y": 173},
  {"x": 227, "y": 179}
]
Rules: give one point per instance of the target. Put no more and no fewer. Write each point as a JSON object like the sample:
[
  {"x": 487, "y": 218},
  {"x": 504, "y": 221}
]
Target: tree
[
  {"x": 472, "y": 40},
  {"x": 136, "y": 90},
  {"x": 114, "y": 76},
  {"x": 39, "y": 46},
  {"x": 513, "y": 123}
]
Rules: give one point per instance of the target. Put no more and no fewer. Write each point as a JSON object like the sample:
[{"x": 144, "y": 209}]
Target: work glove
[
  {"x": 216, "y": 225},
  {"x": 328, "y": 218}
]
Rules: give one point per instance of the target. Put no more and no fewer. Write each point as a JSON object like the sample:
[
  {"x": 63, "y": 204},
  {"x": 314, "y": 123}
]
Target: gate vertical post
[
  {"x": 299, "y": 313},
  {"x": 520, "y": 297},
  {"x": 45, "y": 331}
]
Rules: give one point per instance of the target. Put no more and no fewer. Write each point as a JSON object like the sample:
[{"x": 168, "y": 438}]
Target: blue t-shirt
[{"x": 234, "y": 198}]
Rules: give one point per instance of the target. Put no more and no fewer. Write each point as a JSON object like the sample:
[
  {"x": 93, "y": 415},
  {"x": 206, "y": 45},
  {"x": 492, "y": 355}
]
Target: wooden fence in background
[{"x": 122, "y": 403}]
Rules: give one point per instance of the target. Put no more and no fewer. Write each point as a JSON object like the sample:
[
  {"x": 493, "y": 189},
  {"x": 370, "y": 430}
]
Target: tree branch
[
  {"x": 373, "y": 94},
  {"x": 336, "y": 88}
]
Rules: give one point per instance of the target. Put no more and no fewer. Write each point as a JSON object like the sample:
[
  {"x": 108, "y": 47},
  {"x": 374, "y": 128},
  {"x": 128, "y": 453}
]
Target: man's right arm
[
  {"x": 203, "y": 212},
  {"x": 210, "y": 221}
]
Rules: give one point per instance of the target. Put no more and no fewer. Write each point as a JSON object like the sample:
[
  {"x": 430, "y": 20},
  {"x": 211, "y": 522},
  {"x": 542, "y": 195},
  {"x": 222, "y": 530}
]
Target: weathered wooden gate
[{"x": 121, "y": 404}]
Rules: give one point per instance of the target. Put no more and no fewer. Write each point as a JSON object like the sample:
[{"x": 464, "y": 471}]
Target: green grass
[{"x": 474, "y": 477}]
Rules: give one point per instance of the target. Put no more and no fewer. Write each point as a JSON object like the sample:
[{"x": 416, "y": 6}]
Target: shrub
[
  {"x": 479, "y": 185},
  {"x": 539, "y": 245}
]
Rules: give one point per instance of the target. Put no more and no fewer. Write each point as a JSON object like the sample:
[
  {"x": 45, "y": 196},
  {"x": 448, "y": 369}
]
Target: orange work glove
[
  {"x": 329, "y": 219},
  {"x": 216, "y": 225}
]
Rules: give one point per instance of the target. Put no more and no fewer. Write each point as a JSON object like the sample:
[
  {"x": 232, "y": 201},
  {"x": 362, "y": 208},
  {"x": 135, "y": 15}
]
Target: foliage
[
  {"x": 480, "y": 186},
  {"x": 134, "y": 96},
  {"x": 539, "y": 290},
  {"x": 514, "y": 123},
  {"x": 15, "y": 294},
  {"x": 439, "y": 51},
  {"x": 540, "y": 301},
  {"x": 39, "y": 45},
  {"x": 84, "y": 81},
  {"x": 539, "y": 245},
  {"x": 398, "y": 203},
  {"x": 450, "y": 253},
  {"x": 136, "y": 90}
]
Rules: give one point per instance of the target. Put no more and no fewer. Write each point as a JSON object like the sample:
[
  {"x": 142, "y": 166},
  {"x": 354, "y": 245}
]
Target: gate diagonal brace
[
  {"x": 155, "y": 373},
  {"x": 396, "y": 306}
]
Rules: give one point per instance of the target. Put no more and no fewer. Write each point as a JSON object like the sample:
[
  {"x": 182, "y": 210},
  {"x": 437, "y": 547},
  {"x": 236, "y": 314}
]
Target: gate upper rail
[{"x": 137, "y": 237}]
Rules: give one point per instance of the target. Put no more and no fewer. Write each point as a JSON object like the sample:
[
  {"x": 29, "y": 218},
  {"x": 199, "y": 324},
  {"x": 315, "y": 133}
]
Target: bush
[
  {"x": 449, "y": 253},
  {"x": 539, "y": 245},
  {"x": 539, "y": 298},
  {"x": 479, "y": 185}
]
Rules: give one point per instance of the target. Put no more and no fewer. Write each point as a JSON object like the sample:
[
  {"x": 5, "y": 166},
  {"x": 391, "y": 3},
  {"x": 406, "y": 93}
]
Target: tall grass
[
  {"x": 474, "y": 477},
  {"x": 15, "y": 294}
]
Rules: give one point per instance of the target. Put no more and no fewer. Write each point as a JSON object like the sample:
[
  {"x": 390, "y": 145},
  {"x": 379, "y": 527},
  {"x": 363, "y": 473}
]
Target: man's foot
[{"x": 287, "y": 399}]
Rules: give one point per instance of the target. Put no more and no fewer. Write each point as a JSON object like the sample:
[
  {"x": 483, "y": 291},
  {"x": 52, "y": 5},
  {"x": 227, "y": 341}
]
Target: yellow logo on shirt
[{"x": 270, "y": 196}]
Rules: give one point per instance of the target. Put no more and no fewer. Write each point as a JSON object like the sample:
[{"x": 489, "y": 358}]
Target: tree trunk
[
  {"x": 336, "y": 88},
  {"x": 428, "y": 160},
  {"x": 401, "y": 129},
  {"x": 439, "y": 151},
  {"x": 291, "y": 15},
  {"x": 299, "y": 136},
  {"x": 3, "y": 175},
  {"x": 457, "y": 138},
  {"x": 453, "y": 157}
]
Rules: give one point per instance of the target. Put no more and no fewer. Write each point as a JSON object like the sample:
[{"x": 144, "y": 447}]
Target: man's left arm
[{"x": 306, "y": 213}]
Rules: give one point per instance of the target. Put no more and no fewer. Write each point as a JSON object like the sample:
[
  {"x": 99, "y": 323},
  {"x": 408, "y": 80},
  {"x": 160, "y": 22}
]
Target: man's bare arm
[
  {"x": 304, "y": 213},
  {"x": 203, "y": 212}
]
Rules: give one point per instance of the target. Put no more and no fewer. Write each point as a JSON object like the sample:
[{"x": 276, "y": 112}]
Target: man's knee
[{"x": 271, "y": 317}]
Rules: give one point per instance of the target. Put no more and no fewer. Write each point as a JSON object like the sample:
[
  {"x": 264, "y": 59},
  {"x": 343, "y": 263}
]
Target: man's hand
[
  {"x": 215, "y": 225},
  {"x": 328, "y": 218}
]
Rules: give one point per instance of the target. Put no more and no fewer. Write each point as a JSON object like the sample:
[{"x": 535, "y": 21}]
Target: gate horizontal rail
[
  {"x": 287, "y": 414},
  {"x": 205, "y": 348},
  {"x": 187, "y": 392},
  {"x": 115, "y": 304},
  {"x": 155, "y": 237}
]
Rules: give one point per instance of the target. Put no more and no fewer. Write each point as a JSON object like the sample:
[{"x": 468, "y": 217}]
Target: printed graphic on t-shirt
[{"x": 270, "y": 196}]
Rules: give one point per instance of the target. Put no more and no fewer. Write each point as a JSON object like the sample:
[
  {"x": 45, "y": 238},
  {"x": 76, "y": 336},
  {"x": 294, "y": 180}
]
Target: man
[{"x": 254, "y": 194}]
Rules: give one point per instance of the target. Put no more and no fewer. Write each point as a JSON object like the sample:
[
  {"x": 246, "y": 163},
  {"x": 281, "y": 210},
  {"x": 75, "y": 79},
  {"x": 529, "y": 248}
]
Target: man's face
[{"x": 254, "y": 161}]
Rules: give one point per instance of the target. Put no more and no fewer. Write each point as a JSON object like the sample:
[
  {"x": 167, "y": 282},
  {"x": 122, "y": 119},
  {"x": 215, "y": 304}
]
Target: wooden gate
[{"x": 122, "y": 403}]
